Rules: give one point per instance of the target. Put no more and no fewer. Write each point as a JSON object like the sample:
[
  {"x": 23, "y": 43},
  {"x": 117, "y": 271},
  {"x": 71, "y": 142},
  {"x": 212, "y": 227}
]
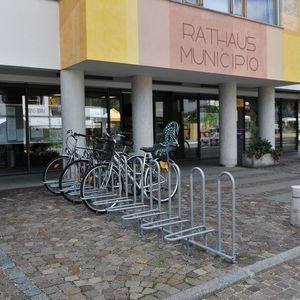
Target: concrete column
[
  {"x": 72, "y": 102},
  {"x": 266, "y": 114},
  {"x": 142, "y": 111},
  {"x": 228, "y": 126}
]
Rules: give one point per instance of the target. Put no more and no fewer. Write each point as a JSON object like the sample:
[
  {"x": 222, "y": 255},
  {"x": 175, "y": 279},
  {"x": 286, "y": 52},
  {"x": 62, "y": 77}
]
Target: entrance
[
  {"x": 198, "y": 119},
  {"x": 286, "y": 125},
  {"x": 200, "y": 122}
]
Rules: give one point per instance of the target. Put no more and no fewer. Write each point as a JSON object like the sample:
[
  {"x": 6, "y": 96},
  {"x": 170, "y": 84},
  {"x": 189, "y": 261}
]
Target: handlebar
[
  {"x": 79, "y": 134},
  {"x": 117, "y": 137}
]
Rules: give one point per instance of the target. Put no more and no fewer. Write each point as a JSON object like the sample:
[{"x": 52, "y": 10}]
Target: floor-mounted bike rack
[
  {"x": 106, "y": 188},
  {"x": 174, "y": 214},
  {"x": 168, "y": 217},
  {"x": 188, "y": 234},
  {"x": 154, "y": 208},
  {"x": 138, "y": 176}
]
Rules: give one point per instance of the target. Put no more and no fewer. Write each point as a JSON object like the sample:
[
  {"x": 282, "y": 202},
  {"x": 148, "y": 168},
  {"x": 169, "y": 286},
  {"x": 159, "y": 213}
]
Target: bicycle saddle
[{"x": 148, "y": 149}]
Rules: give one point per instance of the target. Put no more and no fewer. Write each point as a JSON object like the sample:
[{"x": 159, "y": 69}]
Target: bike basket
[{"x": 103, "y": 149}]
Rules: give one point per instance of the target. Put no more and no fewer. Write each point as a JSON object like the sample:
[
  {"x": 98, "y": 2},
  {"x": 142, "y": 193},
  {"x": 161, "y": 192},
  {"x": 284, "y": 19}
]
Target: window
[
  {"x": 266, "y": 11},
  {"x": 220, "y": 5},
  {"x": 195, "y": 2},
  {"x": 238, "y": 7}
]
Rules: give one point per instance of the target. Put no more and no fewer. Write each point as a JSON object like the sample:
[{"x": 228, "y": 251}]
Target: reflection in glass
[
  {"x": 251, "y": 129},
  {"x": 115, "y": 114},
  {"x": 192, "y": 1},
  {"x": 238, "y": 7},
  {"x": 96, "y": 115},
  {"x": 221, "y": 5},
  {"x": 159, "y": 121},
  {"x": 298, "y": 123},
  {"x": 45, "y": 127},
  {"x": 209, "y": 128},
  {"x": 277, "y": 125},
  {"x": 289, "y": 126},
  {"x": 265, "y": 13},
  {"x": 190, "y": 125},
  {"x": 12, "y": 131}
]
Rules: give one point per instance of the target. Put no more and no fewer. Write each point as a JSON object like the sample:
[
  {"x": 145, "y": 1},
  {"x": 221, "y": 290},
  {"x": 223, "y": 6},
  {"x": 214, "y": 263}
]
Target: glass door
[
  {"x": 190, "y": 121},
  {"x": 13, "y": 146},
  {"x": 96, "y": 113},
  {"x": 289, "y": 126},
  {"x": 200, "y": 123},
  {"x": 44, "y": 126},
  {"x": 286, "y": 125},
  {"x": 209, "y": 128}
]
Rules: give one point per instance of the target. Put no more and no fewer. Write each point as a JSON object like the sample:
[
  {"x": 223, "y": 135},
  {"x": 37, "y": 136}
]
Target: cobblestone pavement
[
  {"x": 281, "y": 282},
  {"x": 8, "y": 290},
  {"x": 70, "y": 253}
]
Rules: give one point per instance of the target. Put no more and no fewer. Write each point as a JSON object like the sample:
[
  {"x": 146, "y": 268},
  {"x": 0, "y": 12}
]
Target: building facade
[{"x": 219, "y": 68}]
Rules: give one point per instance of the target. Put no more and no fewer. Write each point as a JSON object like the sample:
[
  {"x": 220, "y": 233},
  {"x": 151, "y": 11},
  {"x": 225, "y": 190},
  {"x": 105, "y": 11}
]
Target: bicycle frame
[{"x": 130, "y": 173}]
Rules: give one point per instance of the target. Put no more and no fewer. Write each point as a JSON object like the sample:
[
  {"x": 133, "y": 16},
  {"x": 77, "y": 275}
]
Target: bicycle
[
  {"x": 106, "y": 179},
  {"x": 73, "y": 173},
  {"x": 56, "y": 165}
]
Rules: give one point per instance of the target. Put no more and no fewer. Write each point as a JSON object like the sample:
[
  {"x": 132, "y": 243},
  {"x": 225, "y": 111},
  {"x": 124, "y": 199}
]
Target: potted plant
[{"x": 260, "y": 154}]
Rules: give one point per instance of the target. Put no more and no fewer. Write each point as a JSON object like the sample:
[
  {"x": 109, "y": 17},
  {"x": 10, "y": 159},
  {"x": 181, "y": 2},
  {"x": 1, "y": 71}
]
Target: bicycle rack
[
  {"x": 151, "y": 212},
  {"x": 171, "y": 220},
  {"x": 135, "y": 204},
  {"x": 104, "y": 199},
  {"x": 189, "y": 233}
]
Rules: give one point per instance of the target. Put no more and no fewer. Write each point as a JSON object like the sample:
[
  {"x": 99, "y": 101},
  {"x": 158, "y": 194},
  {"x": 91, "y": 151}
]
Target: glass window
[
  {"x": 115, "y": 114},
  {"x": 289, "y": 126},
  {"x": 209, "y": 128},
  {"x": 45, "y": 126},
  {"x": 277, "y": 125},
  {"x": 266, "y": 12},
  {"x": 13, "y": 154},
  {"x": 238, "y": 7},
  {"x": 195, "y": 2},
  {"x": 159, "y": 121},
  {"x": 219, "y": 5},
  {"x": 96, "y": 115},
  {"x": 251, "y": 129},
  {"x": 190, "y": 126}
]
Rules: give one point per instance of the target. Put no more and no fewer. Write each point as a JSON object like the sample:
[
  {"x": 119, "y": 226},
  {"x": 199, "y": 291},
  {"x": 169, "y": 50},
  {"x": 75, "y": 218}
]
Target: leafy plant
[
  {"x": 276, "y": 153},
  {"x": 260, "y": 147}
]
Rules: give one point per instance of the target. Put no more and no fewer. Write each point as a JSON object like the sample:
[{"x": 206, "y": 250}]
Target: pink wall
[
  {"x": 183, "y": 37},
  {"x": 154, "y": 33}
]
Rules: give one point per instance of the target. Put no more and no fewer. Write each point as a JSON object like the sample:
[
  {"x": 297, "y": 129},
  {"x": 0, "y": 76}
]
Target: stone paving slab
[
  {"x": 281, "y": 282},
  {"x": 8, "y": 290},
  {"x": 284, "y": 196},
  {"x": 70, "y": 253}
]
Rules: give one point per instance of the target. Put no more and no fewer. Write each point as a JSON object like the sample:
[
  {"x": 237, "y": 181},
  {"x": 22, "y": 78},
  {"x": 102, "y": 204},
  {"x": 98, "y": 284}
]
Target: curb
[
  {"x": 235, "y": 275},
  {"x": 20, "y": 280}
]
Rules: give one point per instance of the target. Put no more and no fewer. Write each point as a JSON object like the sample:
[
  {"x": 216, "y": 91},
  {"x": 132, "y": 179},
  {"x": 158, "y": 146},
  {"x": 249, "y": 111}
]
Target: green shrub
[{"x": 260, "y": 147}]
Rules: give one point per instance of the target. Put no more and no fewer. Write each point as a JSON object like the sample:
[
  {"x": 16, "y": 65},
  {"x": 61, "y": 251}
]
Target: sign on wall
[{"x": 211, "y": 42}]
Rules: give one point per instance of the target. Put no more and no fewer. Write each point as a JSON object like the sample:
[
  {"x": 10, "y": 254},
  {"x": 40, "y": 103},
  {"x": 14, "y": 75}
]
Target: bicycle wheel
[
  {"x": 101, "y": 187},
  {"x": 70, "y": 178},
  {"x": 161, "y": 180},
  {"x": 52, "y": 173}
]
